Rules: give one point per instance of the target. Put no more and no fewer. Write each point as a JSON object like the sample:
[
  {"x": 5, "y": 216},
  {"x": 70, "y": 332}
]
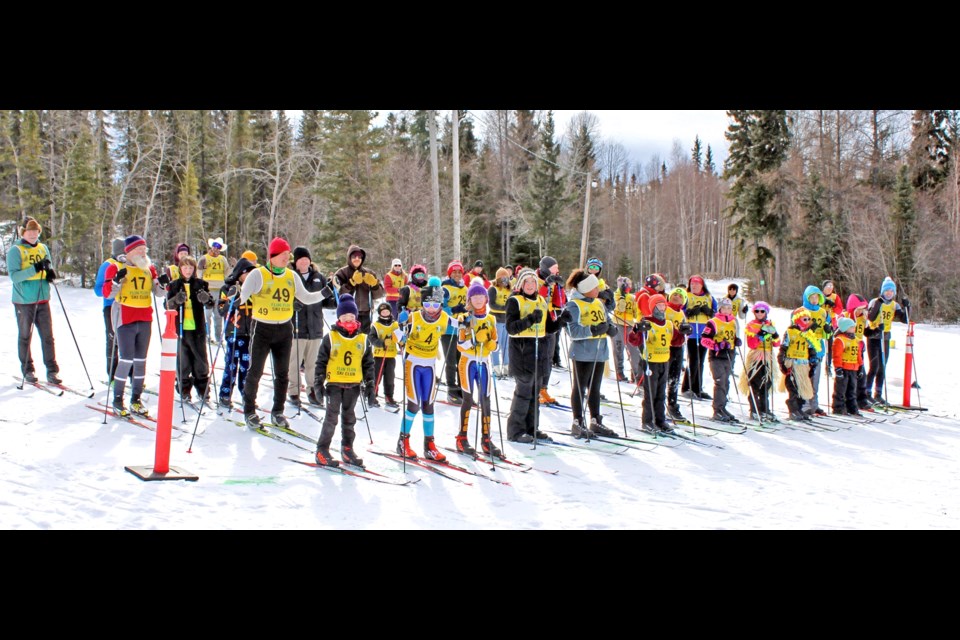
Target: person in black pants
[{"x": 188, "y": 295}]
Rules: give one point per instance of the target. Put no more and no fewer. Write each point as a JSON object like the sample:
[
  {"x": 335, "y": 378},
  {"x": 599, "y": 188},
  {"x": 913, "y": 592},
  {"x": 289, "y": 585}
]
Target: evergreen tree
[
  {"x": 904, "y": 218},
  {"x": 81, "y": 194},
  {"x": 708, "y": 165},
  {"x": 696, "y": 154},
  {"x": 547, "y": 199},
  {"x": 188, "y": 209},
  {"x": 758, "y": 146},
  {"x": 930, "y": 150},
  {"x": 624, "y": 268}
]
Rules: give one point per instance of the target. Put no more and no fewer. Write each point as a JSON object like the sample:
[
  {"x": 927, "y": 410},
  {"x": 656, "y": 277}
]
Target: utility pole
[
  {"x": 435, "y": 188},
  {"x": 455, "y": 133}
]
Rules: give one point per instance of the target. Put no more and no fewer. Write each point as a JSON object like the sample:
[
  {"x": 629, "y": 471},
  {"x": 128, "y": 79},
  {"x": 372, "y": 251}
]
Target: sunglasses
[
  {"x": 433, "y": 306},
  {"x": 217, "y": 245},
  {"x": 759, "y": 311}
]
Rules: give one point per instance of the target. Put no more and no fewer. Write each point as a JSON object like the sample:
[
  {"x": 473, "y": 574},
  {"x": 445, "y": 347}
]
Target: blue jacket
[{"x": 98, "y": 284}]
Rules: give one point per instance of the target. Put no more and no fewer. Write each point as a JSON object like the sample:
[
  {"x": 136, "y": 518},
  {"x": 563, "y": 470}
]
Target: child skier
[
  {"x": 757, "y": 377},
  {"x": 681, "y": 329},
  {"x": 477, "y": 339},
  {"x": 815, "y": 303},
  {"x": 455, "y": 300},
  {"x": 344, "y": 363},
  {"x": 740, "y": 306},
  {"x": 857, "y": 311},
  {"x": 189, "y": 296},
  {"x": 427, "y": 325},
  {"x": 385, "y": 335},
  {"x": 237, "y": 319},
  {"x": 699, "y": 308},
  {"x": 497, "y": 294},
  {"x": 720, "y": 339},
  {"x": 798, "y": 347},
  {"x": 657, "y": 332},
  {"x": 881, "y": 313},
  {"x": 625, "y": 316},
  {"x": 409, "y": 300},
  {"x": 847, "y": 360}
]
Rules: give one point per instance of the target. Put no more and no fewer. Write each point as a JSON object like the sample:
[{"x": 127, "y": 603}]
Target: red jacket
[{"x": 128, "y": 314}]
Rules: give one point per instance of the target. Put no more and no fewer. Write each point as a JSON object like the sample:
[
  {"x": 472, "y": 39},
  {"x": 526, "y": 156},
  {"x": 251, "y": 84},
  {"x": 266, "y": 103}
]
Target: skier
[
  {"x": 133, "y": 286},
  {"x": 798, "y": 348},
  {"x": 393, "y": 281},
  {"x": 757, "y": 377},
  {"x": 656, "y": 331},
  {"x": 814, "y": 302},
  {"x": 409, "y": 300},
  {"x": 681, "y": 329},
  {"x": 624, "y": 317},
  {"x": 699, "y": 308},
  {"x": 881, "y": 313},
  {"x": 344, "y": 368},
  {"x": 28, "y": 261},
  {"x": 308, "y": 324},
  {"x": 720, "y": 338},
  {"x": 857, "y": 311},
  {"x": 385, "y": 335},
  {"x": 212, "y": 267},
  {"x": 455, "y": 299},
  {"x": 189, "y": 296},
  {"x": 551, "y": 290},
  {"x": 238, "y": 318},
  {"x": 476, "y": 340},
  {"x": 497, "y": 294},
  {"x": 740, "y": 306},
  {"x": 272, "y": 289},
  {"x": 847, "y": 361},
  {"x": 360, "y": 282},
  {"x": 116, "y": 254}
]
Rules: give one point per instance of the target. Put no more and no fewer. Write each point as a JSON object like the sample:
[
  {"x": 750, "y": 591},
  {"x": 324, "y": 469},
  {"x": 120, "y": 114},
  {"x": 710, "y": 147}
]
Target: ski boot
[
  {"x": 403, "y": 447},
  {"x": 349, "y": 455},
  {"x": 430, "y": 450},
  {"x": 252, "y": 420},
  {"x": 489, "y": 448},
  {"x": 597, "y": 429},
  {"x": 324, "y": 459},
  {"x": 463, "y": 445},
  {"x": 578, "y": 431},
  {"x": 673, "y": 412},
  {"x": 277, "y": 418},
  {"x": 118, "y": 408},
  {"x": 391, "y": 403},
  {"x": 137, "y": 406},
  {"x": 53, "y": 378},
  {"x": 546, "y": 398}
]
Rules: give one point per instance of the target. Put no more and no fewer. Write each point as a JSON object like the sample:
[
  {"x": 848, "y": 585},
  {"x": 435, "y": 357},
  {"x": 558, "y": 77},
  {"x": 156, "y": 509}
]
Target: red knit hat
[
  {"x": 277, "y": 246},
  {"x": 456, "y": 264}
]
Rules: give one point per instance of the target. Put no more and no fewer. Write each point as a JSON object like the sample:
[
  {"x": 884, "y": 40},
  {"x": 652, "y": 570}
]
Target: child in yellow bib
[{"x": 344, "y": 363}]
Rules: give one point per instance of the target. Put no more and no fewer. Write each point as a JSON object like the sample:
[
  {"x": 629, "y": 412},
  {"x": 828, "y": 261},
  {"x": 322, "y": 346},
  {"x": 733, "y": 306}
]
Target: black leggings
[
  {"x": 268, "y": 339},
  {"x": 586, "y": 373}
]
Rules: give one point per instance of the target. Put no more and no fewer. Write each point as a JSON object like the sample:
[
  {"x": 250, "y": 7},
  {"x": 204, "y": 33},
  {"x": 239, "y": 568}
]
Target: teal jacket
[{"x": 26, "y": 291}]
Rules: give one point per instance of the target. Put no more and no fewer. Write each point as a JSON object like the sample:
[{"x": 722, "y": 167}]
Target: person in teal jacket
[{"x": 28, "y": 261}]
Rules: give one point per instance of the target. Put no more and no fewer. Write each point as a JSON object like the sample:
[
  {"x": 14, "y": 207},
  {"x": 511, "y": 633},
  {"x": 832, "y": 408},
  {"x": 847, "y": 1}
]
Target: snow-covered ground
[{"x": 65, "y": 469}]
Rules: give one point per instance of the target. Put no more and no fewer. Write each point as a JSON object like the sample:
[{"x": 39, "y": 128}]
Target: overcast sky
[{"x": 645, "y": 133}]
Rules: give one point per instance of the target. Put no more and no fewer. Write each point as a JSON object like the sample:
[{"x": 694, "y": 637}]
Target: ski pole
[
  {"x": 296, "y": 345},
  {"x": 180, "y": 379},
  {"x": 110, "y": 379},
  {"x": 72, "y": 334}
]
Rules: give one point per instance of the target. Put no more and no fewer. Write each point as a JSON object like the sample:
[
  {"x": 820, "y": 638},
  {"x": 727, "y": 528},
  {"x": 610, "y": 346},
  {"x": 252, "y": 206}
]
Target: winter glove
[
  {"x": 685, "y": 328},
  {"x": 357, "y": 278},
  {"x": 370, "y": 280},
  {"x": 535, "y": 317},
  {"x": 319, "y": 390},
  {"x": 51, "y": 274},
  {"x": 599, "y": 329},
  {"x": 203, "y": 297},
  {"x": 746, "y": 308},
  {"x": 327, "y": 292},
  {"x": 565, "y": 317},
  {"x": 42, "y": 265},
  {"x": 737, "y": 342},
  {"x": 612, "y": 330},
  {"x": 722, "y": 345},
  {"x": 839, "y": 375},
  {"x": 232, "y": 291},
  {"x": 828, "y": 329},
  {"x": 121, "y": 274},
  {"x": 403, "y": 317},
  {"x": 860, "y": 374},
  {"x": 459, "y": 309},
  {"x": 607, "y": 296},
  {"x": 555, "y": 278},
  {"x": 163, "y": 279},
  {"x": 623, "y": 288},
  {"x": 643, "y": 325},
  {"x": 768, "y": 328},
  {"x": 906, "y": 304},
  {"x": 180, "y": 298},
  {"x": 482, "y": 336}
]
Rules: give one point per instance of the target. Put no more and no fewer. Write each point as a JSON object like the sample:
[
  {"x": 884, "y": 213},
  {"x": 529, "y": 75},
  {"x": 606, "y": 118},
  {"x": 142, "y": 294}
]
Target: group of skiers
[{"x": 515, "y": 325}]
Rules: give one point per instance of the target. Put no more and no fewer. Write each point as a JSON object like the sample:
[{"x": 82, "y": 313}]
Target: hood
[
  {"x": 243, "y": 265},
  {"x": 809, "y": 291},
  {"x": 854, "y": 301},
  {"x": 351, "y": 250}
]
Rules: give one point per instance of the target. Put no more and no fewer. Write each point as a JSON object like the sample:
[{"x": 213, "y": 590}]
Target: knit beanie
[
  {"x": 132, "y": 242},
  {"x": 300, "y": 252},
  {"x": 347, "y": 305},
  {"x": 476, "y": 289},
  {"x": 277, "y": 246}
]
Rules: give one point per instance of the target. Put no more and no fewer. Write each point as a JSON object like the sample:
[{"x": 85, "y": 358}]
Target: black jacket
[
  {"x": 196, "y": 285},
  {"x": 362, "y": 293},
  {"x": 308, "y": 318},
  {"x": 323, "y": 357},
  {"x": 523, "y": 350}
]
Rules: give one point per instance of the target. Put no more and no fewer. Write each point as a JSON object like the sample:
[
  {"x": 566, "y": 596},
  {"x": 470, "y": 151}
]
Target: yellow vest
[
  {"x": 885, "y": 317},
  {"x": 346, "y": 356},
  {"x": 693, "y": 300},
  {"x": 385, "y": 333},
  {"x": 737, "y": 304},
  {"x": 821, "y": 315},
  {"x": 137, "y": 288},
  {"x": 215, "y": 268},
  {"x": 861, "y": 321},
  {"x": 488, "y": 323},
  {"x": 676, "y": 317},
  {"x": 274, "y": 301},
  {"x": 458, "y": 295},
  {"x": 527, "y": 307},
  {"x": 625, "y": 311},
  {"x": 851, "y": 350},
  {"x": 413, "y": 302},
  {"x": 189, "y": 324},
  {"x": 502, "y": 295},
  {"x": 726, "y": 330},
  {"x": 601, "y": 284},
  {"x": 592, "y": 313},
  {"x": 657, "y": 346},
  {"x": 30, "y": 256},
  {"x": 424, "y": 338},
  {"x": 798, "y": 349},
  {"x": 174, "y": 272}
]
